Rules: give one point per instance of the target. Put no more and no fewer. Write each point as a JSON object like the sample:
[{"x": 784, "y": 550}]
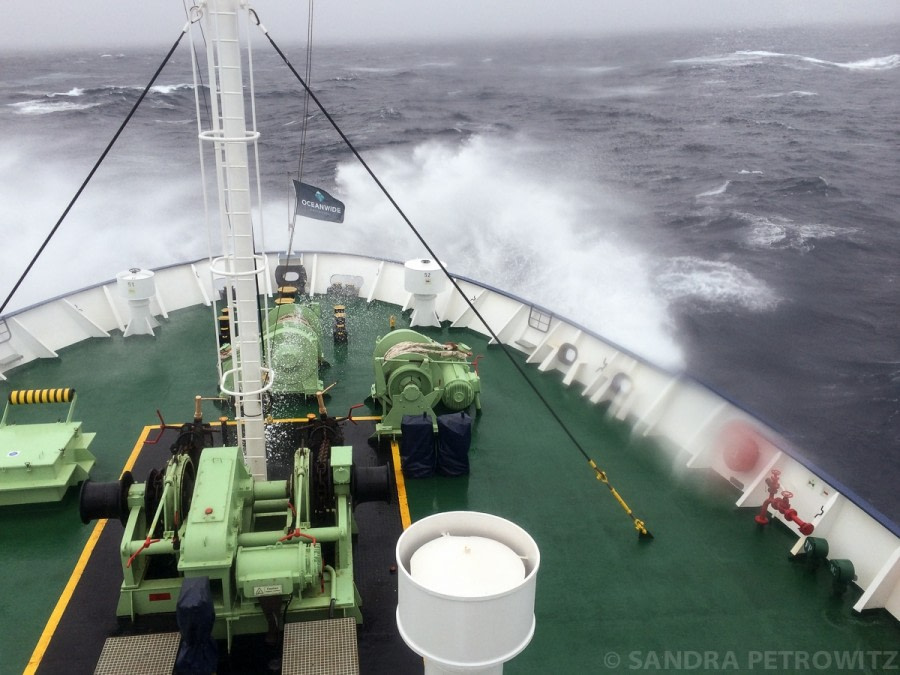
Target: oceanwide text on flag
[{"x": 314, "y": 202}]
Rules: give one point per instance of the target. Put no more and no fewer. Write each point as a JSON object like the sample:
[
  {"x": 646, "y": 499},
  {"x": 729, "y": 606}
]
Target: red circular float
[{"x": 740, "y": 447}]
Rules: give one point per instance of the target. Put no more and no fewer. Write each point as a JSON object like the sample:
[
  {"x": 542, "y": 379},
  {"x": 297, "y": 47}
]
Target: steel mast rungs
[
  {"x": 326, "y": 647},
  {"x": 147, "y": 654}
]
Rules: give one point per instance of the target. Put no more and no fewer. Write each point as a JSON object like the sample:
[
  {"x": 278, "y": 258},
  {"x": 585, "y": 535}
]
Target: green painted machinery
[
  {"x": 292, "y": 334},
  {"x": 39, "y": 461},
  {"x": 414, "y": 374},
  {"x": 274, "y": 551}
]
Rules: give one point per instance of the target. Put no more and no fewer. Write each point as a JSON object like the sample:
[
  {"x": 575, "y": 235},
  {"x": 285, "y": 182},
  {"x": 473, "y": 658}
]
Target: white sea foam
[
  {"x": 778, "y": 232},
  {"x": 595, "y": 70},
  {"x": 715, "y": 191},
  {"x": 552, "y": 241},
  {"x": 751, "y": 57},
  {"x": 169, "y": 88},
  {"x": 108, "y": 226},
  {"x": 46, "y": 106},
  {"x": 796, "y": 94},
  {"x": 876, "y": 63},
  {"x": 714, "y": 285},
  {"x": 634, "y": 90},
  {"x": 437, "y": 64}
]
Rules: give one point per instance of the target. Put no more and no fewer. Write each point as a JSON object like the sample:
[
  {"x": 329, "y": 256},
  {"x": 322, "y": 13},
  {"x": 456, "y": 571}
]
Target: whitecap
[
  {"x": 778, "y": 232},
  {"x": 796, "y": 94},
  {"x": 715, "y": 191},
  {"x": 169, "y": 88},
  {"x": 875, "y": 63},
  {"x": 751, "y": 57},
  {"x": 715, "y": 285},
  {"x": 595, "y": 70},
  {"x": 44, "y": 107}
]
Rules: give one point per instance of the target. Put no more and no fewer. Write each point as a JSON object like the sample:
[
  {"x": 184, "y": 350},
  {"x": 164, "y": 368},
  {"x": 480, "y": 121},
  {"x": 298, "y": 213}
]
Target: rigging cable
[
  {"x": 303, "y": 130},
  {"x": 305, "y": 126},
  {"x": 96, "y": 166},
  {"x": 187, "y": 13},
  {"x": 601, "y": 475}
]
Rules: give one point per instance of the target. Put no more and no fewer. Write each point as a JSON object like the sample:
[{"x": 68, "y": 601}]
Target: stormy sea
[{"x": 722, "y": 203}]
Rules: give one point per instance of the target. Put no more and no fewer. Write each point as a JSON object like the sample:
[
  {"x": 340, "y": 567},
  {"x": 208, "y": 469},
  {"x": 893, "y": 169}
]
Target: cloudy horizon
[{"x": 45, "y": 24}]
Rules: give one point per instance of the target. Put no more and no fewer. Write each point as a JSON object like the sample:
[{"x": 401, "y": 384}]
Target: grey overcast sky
[{"x": 107, "y": 23}]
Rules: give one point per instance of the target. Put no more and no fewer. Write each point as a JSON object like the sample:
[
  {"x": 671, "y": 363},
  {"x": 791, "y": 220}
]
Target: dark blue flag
[{"x": 314, "y": 202}]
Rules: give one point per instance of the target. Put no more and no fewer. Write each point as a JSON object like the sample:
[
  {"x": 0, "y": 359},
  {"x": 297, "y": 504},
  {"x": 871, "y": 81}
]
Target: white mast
[{"x": 239, "y": 264}]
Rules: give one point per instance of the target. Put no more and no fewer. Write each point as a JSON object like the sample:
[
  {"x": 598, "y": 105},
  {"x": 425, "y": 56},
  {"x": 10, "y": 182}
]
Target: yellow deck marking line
[
  {"x": 66, "y": 595},
  {"x": 401, "y": 485}
]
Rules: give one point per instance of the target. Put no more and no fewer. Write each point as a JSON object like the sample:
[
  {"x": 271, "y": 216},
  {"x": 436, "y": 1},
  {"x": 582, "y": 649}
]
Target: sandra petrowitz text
[{"x": 754, "y": 660}]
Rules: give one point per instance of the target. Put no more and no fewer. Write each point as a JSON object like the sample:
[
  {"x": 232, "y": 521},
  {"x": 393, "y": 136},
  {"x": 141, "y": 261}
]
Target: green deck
[{"x": 710, "y": 592}]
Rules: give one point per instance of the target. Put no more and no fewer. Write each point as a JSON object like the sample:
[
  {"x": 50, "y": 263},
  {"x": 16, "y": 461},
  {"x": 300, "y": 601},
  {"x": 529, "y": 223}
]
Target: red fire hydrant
[{"x": 782, "y": 505}]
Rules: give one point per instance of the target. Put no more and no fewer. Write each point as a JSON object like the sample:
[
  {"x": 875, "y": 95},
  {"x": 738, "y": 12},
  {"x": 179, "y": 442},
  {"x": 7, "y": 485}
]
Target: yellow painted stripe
[
  {"x": 29, "y": 396},
  {"x": 402, "y": 501},
  {"x": 53, "y": 622}
]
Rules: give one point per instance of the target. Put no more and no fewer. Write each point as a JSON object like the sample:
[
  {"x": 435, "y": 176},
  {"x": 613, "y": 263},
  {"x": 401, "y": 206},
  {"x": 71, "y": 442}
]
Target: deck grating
[
  {"x": 320, "y": 648},
  {"x": 148, "y": 654}
]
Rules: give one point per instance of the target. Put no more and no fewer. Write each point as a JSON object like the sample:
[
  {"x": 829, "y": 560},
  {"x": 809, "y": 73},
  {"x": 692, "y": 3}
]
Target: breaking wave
[
  {"x": 715, "y": 191},
  {"x": 711, "y": 285},
  {"x": 748, "y": 58},
  {"x": 777, "y": 232}
]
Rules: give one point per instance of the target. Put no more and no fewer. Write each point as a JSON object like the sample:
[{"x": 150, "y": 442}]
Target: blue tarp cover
[
  {"x": 198, "y": 653},
  {"x": 454, "y": 439},
  {"x": 417, "y": 450}
]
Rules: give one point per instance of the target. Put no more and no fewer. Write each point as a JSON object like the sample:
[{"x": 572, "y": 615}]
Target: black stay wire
[
  {"x": 93, "y": 170},
  {"x": 600, "y": 475}
]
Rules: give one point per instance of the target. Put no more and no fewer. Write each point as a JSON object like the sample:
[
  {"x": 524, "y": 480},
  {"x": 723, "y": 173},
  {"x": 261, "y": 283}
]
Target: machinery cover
[
  {"x": 198, "y": 653},
  {"x": 417, "y": 450},
  {"x": 454, "y": 439}
]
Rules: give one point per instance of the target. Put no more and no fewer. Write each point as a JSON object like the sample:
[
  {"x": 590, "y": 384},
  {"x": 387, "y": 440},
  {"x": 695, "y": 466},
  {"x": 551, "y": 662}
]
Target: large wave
[
  {"x": 487, "y": 207},
  {"x": 491, "y": 211}
]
